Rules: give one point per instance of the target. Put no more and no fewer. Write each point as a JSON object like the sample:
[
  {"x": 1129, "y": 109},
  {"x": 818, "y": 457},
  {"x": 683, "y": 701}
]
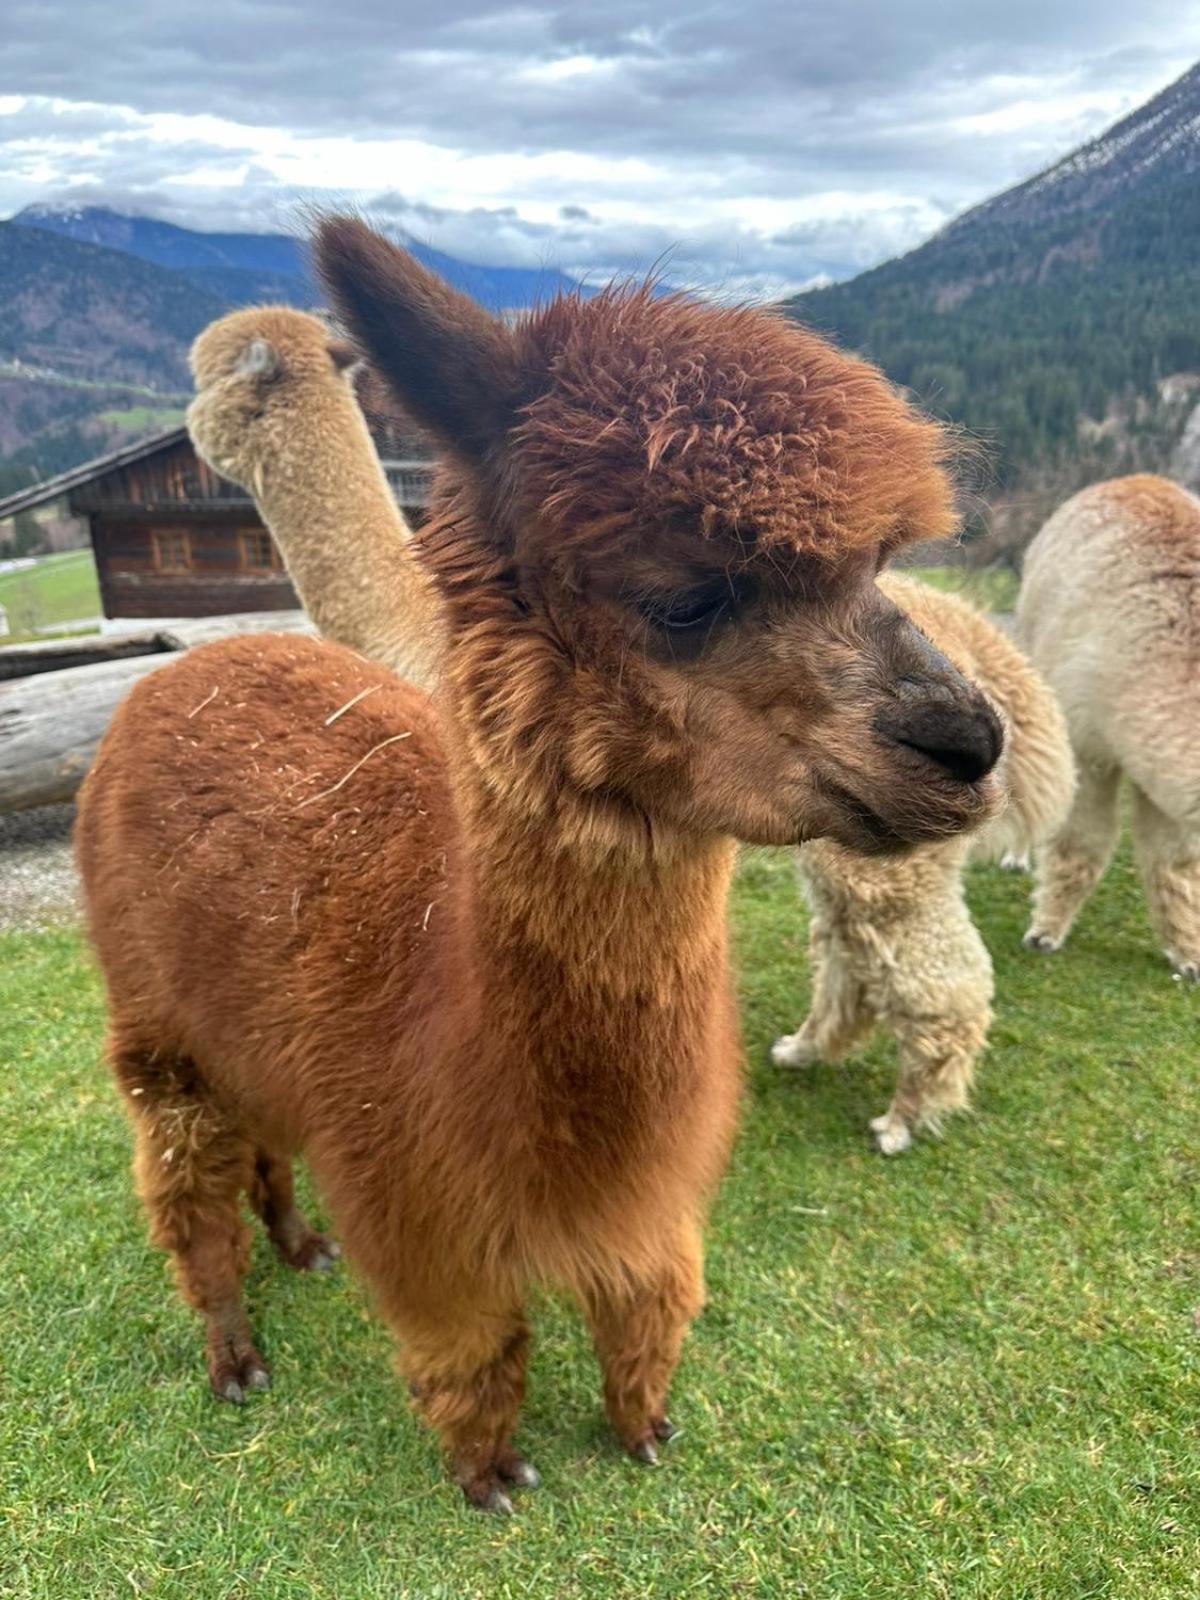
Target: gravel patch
[{"x": 39, "y": 887}]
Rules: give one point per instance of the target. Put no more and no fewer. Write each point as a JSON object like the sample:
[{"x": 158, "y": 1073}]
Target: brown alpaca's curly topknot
[{"x": 739, "y": 420}]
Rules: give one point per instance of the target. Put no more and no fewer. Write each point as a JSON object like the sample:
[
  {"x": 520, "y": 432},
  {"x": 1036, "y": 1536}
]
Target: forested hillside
[{"x": 1046, "y": 321}]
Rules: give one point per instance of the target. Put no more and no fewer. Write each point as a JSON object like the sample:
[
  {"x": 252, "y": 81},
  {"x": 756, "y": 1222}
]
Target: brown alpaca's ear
[{"x": 447, "y": 361}]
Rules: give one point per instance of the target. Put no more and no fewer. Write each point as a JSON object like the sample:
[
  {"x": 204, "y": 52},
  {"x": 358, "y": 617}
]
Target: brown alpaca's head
[{"x": 657, "y": 543}]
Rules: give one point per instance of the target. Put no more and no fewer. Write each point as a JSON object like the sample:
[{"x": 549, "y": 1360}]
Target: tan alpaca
[
  {"x": 892, "y": 942},
  {"x": 1110, "y": 611},
  {"x": 275, "y": 412}
]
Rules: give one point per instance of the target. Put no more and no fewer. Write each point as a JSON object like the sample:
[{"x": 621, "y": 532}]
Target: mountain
[
  {"x": 248, "y": 267},
  {"x": 100, "y": 309},
  {"x": 95, "y": 314},
  {"x": 93, "y": 347},
  {"x": 1048, "y": 320}
]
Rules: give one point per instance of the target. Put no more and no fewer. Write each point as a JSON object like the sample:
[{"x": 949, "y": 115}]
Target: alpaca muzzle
[
  {"x": 957, "y": 732},
  {"x": 934, "y": 713}
]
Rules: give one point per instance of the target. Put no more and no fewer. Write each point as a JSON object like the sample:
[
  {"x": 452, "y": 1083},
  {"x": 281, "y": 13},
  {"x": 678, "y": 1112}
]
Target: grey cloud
[
  {"x": 766, "y": 98},
  {"x": 722, "y": 76}
]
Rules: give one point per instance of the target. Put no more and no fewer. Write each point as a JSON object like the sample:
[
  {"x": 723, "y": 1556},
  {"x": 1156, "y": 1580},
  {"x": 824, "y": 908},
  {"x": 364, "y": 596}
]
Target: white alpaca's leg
[
  {"x": 937, "y": 1068},
  {"x": 1069, "y": 868},
  {"x": 938, "y": 1007},
  {"x": 1168, "y": 858},
  {"x": 839, "y": 1019}
]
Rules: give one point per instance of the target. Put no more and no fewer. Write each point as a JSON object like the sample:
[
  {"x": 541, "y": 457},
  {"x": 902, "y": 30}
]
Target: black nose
[{"x": 963, "y": 736}]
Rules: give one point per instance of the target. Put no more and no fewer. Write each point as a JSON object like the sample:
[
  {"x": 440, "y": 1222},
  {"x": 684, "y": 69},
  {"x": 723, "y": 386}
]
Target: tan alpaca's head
[
  {"x": 656, "y": 544},
  {"x": 247, "y": 366}
]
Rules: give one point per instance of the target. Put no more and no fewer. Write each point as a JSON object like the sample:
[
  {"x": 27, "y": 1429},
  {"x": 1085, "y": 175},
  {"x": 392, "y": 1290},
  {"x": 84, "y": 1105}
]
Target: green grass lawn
[
  {"x": 968, "y": 1372},
  {"x": 149, "y": 419},
  {"x": 990, "y": 588},
  {"x": 59, "y": 588}
]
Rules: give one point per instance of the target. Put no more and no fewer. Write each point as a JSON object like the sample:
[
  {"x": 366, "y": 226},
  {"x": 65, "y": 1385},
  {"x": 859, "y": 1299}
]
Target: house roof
[{"x": 37, "y": 494}]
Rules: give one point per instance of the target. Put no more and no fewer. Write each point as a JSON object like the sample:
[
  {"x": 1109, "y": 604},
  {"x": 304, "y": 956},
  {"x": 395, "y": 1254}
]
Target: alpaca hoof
[
  {"x": 326, "y": 1257},
  {"x": 792, "y": 1051},
  {"x": 489, "y": 1497},
  {"x": 644, "y": 1450},
  {"x": 892, "y": 1134},
  {"x": 1045, "y": 942},
  {"x": 232, "y": 1380},
  {"x": 664, "y": 1429},
  {"x": 521, "y": 1474},
  {"x": 1010, "y": 861},
  {"x": 316, "y": 1252},
  {"x": 1186, "y": 971}
]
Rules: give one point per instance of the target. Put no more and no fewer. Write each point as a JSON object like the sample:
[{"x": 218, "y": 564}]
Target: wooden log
[
  {"x": 50, "y": 655},
  {"x": 50, "y": 724},
  {"x": 55, "y": 655}
]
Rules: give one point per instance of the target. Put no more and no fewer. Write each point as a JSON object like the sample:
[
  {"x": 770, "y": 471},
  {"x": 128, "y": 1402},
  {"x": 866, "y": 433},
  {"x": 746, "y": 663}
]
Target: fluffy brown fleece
[
  {"x": 1110, "y": 611},
  {"x": 275, "y": 412},
  {"x": 892, "y": 942},
  {"x": 470, "y": 956}
]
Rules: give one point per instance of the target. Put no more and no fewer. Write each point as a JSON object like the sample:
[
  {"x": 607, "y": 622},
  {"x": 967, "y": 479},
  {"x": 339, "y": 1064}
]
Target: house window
[
  {"x": 258, "y": 552},
  {"x": 172, "y": 550}
]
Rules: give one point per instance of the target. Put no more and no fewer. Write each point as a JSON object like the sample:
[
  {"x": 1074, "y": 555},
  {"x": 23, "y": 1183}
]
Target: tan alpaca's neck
[{"x": 326, "y": 499}]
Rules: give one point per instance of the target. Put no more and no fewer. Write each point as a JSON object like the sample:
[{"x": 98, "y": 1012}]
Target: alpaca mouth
[
  {"x": 923, "y": 814},
  {"x": 863, "y": 828}
]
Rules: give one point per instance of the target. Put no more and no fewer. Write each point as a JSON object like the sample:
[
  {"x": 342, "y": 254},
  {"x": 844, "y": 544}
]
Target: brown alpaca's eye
[{"x": 687, "y": 610}]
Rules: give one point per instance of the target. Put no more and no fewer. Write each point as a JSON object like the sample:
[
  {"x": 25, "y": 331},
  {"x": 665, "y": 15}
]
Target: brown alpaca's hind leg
[
  {"x": 839, "y": 1020},
  {"x": 1168, "y": 858},
  {"x": 466, "y": 1374},
  {"x": 191, "y": 1164},
  {"x": 273, "y": 1197},
  {"x": 1070, "y": 867},
  {"x": 638, "y": 1333}
]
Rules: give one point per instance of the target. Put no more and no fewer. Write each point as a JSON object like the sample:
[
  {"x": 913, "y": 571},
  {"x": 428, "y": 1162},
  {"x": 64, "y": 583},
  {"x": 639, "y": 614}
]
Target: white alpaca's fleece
[
  {"x": 892, "y": 942},
  {"x": 1110, "y": 611}
]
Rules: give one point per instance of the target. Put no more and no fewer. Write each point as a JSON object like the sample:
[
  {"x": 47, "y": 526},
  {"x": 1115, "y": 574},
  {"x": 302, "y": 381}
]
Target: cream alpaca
[
  {"x": 892, "y": 942},
  {"x": 1110, "y": 611},
  {"x": 275, "y": 412}
]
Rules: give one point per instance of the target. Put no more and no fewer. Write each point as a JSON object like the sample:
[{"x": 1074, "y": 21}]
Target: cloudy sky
[{"x": 759, "y": 144}]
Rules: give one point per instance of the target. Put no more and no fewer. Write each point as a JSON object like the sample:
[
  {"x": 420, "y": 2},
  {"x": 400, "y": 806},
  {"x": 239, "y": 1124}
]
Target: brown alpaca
[
  {"x": 1109, "y": 610},
  {"x": 892, "y": 942},
  {"x": 470, "y": 957},
  {"x": 275, "y": 412}
]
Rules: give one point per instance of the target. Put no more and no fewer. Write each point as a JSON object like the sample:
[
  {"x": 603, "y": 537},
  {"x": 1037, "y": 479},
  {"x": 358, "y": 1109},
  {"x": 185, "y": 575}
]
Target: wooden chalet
[{"x": 172, "y": 539}]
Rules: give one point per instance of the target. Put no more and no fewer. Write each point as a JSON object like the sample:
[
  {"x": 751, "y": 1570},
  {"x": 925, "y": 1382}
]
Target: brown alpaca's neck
[{"x": 619, "y": 953}]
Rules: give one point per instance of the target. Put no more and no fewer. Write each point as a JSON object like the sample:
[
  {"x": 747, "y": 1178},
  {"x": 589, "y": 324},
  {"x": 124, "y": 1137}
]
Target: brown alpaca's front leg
[
  {"x": 638, "y": 1333},
  {"x": 467, "y": 1378}
]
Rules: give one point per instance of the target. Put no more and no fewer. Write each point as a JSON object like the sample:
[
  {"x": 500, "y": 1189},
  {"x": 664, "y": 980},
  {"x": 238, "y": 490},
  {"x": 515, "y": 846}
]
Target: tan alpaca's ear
[
  {"x": 449, "y": 364},
  {"x": 259, "y": 360},
  {"x": 344, "y": 356}
]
